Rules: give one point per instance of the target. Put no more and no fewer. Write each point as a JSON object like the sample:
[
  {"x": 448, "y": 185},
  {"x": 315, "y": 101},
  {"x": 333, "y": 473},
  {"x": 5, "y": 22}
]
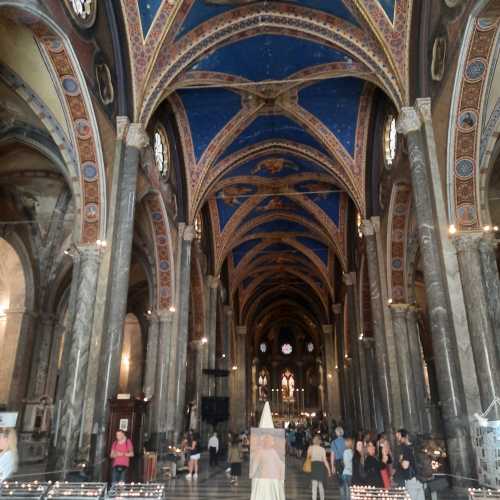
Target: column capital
[
  {"x": 213, "y": 281},
  {"x": 165, "y": 316},
  {"x": 122, "y": 123},
  {"x": 367, "y": 228},
  {"x": 241, "y": 330},
  {"x": 336, "y": 309},
  {"x": 86, "y": 251},
  {"x": 327, "y": 329},
  {"x": 408, "y": 121},
  {"x": 399, "y": 309},
  {"x": 467, "y": 241},
  {"x": 349, "y": 279},
  {"x": 196, "y": 345},
  {"x": 136, "y": 136},
  {"x": 189, "y": 233},
  {"x": 423, "y": 105}
]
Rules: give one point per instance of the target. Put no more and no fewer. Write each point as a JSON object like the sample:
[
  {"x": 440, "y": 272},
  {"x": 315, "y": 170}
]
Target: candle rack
[
  {"x": 372, "y": 493},
  {"x": 483, "y": 494},
  {"x": 35, "y": 490},
  {"x": 76, "y": 491},
  {"x": 137, "y": 491}
]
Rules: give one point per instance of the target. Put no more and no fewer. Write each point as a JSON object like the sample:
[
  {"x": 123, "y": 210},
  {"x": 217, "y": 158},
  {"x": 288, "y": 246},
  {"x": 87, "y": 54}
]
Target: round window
[
  {"x": 263, "y": 347},
  {"x": 286, "y": 349}
]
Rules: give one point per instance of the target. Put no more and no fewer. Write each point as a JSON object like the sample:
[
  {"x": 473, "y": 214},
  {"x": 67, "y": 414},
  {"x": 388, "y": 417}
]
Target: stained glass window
[
  {"x": 161, "y": 152},
  {"x": 390, "y": 140},
  {"x": 82, "y": 8},
  {"x": 286, "y": 349},
  {"x": 310, "y": 347},
  {"x": 263, "y": 347}
]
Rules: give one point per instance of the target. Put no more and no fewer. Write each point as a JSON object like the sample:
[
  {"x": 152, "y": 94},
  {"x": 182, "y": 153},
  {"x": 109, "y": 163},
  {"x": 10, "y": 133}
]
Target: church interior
[{"x": 210, "y": 204}]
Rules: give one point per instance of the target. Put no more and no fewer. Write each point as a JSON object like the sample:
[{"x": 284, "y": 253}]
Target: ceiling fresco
[{"x": 272, "y": 101}]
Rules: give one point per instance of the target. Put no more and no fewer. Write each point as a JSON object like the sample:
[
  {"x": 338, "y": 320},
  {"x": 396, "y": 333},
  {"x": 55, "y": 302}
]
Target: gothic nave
[{"x": 210, "y": 204}]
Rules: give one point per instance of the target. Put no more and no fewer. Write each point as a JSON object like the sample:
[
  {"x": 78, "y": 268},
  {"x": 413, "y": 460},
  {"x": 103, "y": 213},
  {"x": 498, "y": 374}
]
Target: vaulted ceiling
[{"x": 272, "y": 100}]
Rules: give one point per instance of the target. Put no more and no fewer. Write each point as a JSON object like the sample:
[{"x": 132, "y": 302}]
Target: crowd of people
[{"x": 363, "y": 459}]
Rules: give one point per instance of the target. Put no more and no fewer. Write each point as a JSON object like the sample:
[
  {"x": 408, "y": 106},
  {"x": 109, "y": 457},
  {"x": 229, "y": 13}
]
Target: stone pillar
[
  {"x": 121, "y": 252},
  {"x": 478, "y": 316},
  {"x": 340, "y": 352},
  {"x": 198, "y": 348},
  {"x": 487, "y": 251},
  {"x": 382, "y": 363},
  {"x": 179, "y": 400},
  {"x": 373, "y": 391},
  {"x": 321, "y": 387},
  {"x": 333, "y": 403},
  {"x": 407, "y": 383},
  {"x": 213, "y": 289},
  {"x": 161, "y": 328},
  {"x": 445, "y": 350},
  {"x": 224, "y": 361},
  {"x": 240, "y": 386},
  {"x": 40, "y": 367},
  {"x": 73, "y": 400},
  {"x": 358, "y": 366},
  {"x": 58, "y": 335},
  {"x": 152, "y": 351}
]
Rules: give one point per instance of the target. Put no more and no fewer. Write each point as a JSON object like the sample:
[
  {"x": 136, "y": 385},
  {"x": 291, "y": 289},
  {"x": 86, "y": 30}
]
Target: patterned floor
[{"x": 214, "y": 484}]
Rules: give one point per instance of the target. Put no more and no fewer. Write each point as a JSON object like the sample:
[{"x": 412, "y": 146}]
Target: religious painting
[
  {"x": 235, "y": 195},
  {"x": 288, "y": 386},
  {"x": 274, "y": 166},
  {"x": 267, "y": 453},
  {"x": 263, "y": 385},
  {"x": 275, "y": 203}
]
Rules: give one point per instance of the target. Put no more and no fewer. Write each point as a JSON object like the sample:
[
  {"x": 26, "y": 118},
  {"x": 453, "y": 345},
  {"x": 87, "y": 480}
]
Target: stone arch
[
  {"x": 164, "y": 257},
  {"x": 13, "y": 290},
  {"x": 398, "y": 220},
  {"x": 132, "y": 358},
  {"x": 256, "y": 19},
  {"x": 465, "y": 168},
  {"x": 74, "y": 97}
]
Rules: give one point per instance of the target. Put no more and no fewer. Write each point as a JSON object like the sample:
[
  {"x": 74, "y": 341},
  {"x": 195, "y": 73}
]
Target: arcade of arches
[{"x": 283, "y": 201}]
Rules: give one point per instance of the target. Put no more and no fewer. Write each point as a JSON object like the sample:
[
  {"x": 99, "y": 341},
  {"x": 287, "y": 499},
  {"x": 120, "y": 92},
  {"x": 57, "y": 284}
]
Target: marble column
[
  {"x": 340, "y": 352},
  {"x": 40, "y": 368},
  {"x": 198, "y": 348},
  {"x": 121, "y": 252},
  {"x": 152, "y": 350},
  {"x": 240, "y": 418},
  {"x": 160, "y": 329},
  {"x": 407, "y": 381},
  {"x": 224, "y": 361},
  {"x": 476, "y": 304},
  {"x": 444, "y": 345},
  {"x": 382, "y": 363},
  {"x": 487, "y": 250},
  {"x": 213, "y": 283},
  {"x": 58, "y": 336},
  {"x": 73, "y": 399},
  {"x": 321, "y": 386},
  {"x": 179, "y": 401},
  {"x": 417, "y": 368},
  {"x": 333, "y": 403},
  {"x": 373, "y": 391},
  {"x": 358, "y": 368}
]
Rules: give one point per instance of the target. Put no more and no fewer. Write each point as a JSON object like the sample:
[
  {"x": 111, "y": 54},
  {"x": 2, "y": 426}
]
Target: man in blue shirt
[{"x": 337, "y": 448}]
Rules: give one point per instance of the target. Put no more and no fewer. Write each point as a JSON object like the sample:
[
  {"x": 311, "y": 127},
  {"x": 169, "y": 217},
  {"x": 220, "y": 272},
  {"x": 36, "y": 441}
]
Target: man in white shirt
[{"x": 213, "y": 449}]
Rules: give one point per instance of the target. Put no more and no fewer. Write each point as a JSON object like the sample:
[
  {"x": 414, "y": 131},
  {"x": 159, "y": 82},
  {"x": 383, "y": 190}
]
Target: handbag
[{"x": 307, "y": 465}]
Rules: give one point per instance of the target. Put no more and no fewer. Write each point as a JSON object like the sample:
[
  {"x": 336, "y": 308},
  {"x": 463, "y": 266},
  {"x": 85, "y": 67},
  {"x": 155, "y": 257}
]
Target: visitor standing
[
  {"x": 122, "y": 451},
  {"x": 406, "y": 467},
  {"x": 235, "y": 458},
  {"x": 346, "y": 478},
  {"x": 319, "y": 464},
  {"x": 358, "y": 464},
  {"x": 373, "y": 467},
  {"x": 337, "y": 448},
  {"x": 194, "y": 456},
  {"x": 8, "y": 445},
  {"x": 385, "y": 456},
  {"x": 213, "y": 449}
]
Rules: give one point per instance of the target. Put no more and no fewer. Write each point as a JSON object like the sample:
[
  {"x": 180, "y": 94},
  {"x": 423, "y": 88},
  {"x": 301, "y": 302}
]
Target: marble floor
[{"x": 214, "y": 484}]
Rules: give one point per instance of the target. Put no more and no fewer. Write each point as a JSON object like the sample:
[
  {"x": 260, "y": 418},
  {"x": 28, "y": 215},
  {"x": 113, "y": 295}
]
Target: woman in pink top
[{"x": 121, "y": 452}]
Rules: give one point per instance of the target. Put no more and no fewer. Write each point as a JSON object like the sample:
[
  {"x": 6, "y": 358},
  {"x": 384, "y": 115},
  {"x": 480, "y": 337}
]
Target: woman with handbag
[{"x": 316, "y": 455}]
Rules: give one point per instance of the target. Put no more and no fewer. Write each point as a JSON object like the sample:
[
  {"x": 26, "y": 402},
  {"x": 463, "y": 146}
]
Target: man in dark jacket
[{"x": 406, "y": 467}]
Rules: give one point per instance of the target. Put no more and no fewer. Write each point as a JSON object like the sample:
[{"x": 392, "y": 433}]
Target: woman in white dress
[{"x": 8, "y": 445}]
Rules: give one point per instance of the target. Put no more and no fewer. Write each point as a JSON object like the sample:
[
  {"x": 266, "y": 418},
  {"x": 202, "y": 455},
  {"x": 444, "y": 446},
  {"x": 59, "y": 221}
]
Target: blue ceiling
[
  {"x": 389, "y": 7},
  {"x": 208, "y": 111},
  {"x": 268, "y": 57},
  {"x": 335, "y": 103},
  {"x": 148, "y": 10}
]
